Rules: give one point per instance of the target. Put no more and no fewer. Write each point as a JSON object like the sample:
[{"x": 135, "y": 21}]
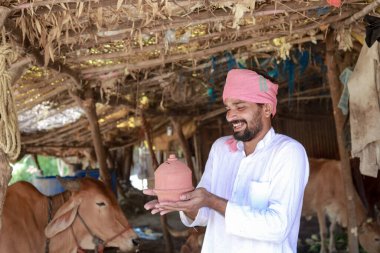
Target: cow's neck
[
  {"x": 63, "y": 242},
  {"x": 58, "y": 200}
]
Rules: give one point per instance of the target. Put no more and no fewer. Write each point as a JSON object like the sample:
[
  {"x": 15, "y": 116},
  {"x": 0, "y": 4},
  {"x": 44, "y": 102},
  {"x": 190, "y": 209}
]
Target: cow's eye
[{"x": 100, "y": 203}]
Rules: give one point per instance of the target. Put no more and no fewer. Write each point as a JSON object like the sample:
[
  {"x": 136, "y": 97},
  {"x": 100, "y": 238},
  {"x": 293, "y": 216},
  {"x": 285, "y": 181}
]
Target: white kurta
[{"x": 264, "y": 192}]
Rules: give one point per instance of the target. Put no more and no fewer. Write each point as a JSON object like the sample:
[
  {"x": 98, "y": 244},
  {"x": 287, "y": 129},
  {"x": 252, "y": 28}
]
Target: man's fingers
[
  {"x": 174, "y": 206},
  {"x": 156, "y": 210},
  {"x": 190, "y": 195},
  {"x": 149, "y": 192},
  {"x": 165, "y": 212},
  {"x": 151, "y": 204}
]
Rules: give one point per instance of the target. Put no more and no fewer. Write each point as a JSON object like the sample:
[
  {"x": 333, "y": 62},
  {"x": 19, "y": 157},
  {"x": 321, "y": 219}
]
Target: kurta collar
[{"x": 262, "y": 143}]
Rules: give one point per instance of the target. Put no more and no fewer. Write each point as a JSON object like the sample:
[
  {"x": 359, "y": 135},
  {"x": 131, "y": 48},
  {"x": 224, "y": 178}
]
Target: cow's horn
[{"x": 69, "y": 184}]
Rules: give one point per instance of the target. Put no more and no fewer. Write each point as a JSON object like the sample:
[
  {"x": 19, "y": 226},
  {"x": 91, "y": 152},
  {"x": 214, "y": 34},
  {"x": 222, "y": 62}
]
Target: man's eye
[
  {"x": 241, "y": 108},
  {"x": 100, "y": 203}
]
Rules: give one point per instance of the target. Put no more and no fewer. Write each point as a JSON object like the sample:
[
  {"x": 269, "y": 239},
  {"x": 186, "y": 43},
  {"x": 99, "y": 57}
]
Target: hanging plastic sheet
[
  {"x": 231, "y": 62},
  {"x": 290, "y": 69},
  {"x": 303, "y": 60},
  {"x": 343, "y": 101}
]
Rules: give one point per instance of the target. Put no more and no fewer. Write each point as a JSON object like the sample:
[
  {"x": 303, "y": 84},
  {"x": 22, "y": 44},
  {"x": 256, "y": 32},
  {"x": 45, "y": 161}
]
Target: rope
[
  {"x": 9, "y": 132},
  {"x": 50, "y": 209}
]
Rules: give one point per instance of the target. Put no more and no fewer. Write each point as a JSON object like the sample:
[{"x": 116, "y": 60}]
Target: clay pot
[{"x": 171, "y": 179}]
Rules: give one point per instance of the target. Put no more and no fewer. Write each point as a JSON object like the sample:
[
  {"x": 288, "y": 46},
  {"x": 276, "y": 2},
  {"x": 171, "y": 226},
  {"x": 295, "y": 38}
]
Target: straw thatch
[{"x": 160, "y": 57}]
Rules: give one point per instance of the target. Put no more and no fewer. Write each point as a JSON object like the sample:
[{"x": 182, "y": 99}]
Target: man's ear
[{"x": 268, "y": 109}]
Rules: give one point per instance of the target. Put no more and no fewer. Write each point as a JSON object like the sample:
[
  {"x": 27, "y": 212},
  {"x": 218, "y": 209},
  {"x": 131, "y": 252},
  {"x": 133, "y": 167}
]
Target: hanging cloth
[
  {"x": 372, "y": 29},
  {"x": 364, "y": 89}
]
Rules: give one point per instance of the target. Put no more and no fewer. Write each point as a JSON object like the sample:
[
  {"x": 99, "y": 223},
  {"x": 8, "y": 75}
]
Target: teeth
[{"x": 236, "y": 125}]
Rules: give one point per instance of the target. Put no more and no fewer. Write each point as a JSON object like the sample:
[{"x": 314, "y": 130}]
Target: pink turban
[{"x": 249, "y": 86}]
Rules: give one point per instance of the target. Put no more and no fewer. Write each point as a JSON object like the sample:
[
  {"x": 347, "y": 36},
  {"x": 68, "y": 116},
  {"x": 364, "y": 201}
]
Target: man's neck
[{"x": 250, "y": 146}]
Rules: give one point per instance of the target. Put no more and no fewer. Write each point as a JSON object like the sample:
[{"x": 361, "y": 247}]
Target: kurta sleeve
[
  {"x": 288, "y": 178},
  {"x": 202, "y": 217}
]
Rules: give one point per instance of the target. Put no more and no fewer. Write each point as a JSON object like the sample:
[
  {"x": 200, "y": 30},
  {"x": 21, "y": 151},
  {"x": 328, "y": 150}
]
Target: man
[{"x": 250, "y": 195}]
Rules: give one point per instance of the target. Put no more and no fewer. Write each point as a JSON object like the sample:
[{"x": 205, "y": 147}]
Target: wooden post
[
  {"x": 163, "y": 218},
  {"x": 128, "y": 162},
  {"x": 35, "y": 160},
  {"x": 198, "y": 155},
  {"x": 335, "y": 91},
  {"x": 5, "y": 176},
  {"x": 185, "y": 146},
  {"x": 88, "y": 105}
]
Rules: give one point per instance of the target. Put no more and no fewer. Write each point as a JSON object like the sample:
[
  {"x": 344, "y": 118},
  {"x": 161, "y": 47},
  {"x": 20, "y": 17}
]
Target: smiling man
[{"x": 250, "y": 195}]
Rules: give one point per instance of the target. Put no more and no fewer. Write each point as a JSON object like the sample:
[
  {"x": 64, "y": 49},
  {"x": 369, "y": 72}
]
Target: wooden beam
[
  {"x": 370, "y": 7},
  {"x": 211, "y": 114},
  {"x": 305, "y": 98},
  {"x": 335, "y": 91},
  {"x": 88, "y": 105},
  {"x": 174, "y": 22},
  {"x": 210, "y": 51},
  {"x": 58, "y": 151},
  {"x": 244, "y": 30}
]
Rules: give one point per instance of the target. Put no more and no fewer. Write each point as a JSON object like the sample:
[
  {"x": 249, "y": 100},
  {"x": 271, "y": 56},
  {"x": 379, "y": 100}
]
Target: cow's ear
[{"x": 63, "y": 219}]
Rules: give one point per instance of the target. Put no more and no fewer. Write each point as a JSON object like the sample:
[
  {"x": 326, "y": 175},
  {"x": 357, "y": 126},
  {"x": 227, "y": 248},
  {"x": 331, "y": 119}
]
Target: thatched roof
[{"x": 168, "y": 58}]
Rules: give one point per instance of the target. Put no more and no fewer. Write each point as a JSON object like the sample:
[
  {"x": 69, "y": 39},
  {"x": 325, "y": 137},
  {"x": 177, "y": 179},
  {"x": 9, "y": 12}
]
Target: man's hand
[
  {"x": 151, "y": 204},
  {"x": 191, "y": 202}
]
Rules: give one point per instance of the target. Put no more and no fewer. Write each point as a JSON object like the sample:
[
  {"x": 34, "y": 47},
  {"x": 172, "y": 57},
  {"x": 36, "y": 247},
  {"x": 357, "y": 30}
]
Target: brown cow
[
  {"x": 87, "y": 210},
  {"x": 324, "y": 195}
]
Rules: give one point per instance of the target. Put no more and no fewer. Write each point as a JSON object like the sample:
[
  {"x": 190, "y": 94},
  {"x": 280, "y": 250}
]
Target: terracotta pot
[{"x": 171, "y": 179}]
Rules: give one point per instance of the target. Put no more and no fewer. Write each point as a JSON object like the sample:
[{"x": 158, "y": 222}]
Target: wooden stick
[
  {"x": 159, "y": 46},
  {"x": 303, "y": 98},
  {"x": 207, "y": 52},
  {"x": 4, "y": 13},
  {"x": 358, "y": 15},
  {"x": 211, "y": 114}
]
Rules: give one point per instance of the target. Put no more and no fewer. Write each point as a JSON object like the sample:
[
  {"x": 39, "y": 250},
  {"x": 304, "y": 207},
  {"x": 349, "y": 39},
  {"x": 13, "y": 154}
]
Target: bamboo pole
[
  {"x": 163, "y": 218},
  {"x": 335, "y": 91}
]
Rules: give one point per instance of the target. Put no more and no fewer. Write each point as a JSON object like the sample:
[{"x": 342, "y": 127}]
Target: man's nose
[{"x": 231, "y": 115}]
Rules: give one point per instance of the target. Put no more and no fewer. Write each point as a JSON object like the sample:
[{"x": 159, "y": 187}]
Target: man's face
[{"x": 245, "y": 118}]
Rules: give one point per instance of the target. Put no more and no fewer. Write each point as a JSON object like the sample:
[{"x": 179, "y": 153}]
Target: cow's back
[{"x": 24, "y": 219}]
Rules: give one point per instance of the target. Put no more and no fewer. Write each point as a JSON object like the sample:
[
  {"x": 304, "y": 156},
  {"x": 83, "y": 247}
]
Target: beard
[{"x": 249, "y": 132}]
